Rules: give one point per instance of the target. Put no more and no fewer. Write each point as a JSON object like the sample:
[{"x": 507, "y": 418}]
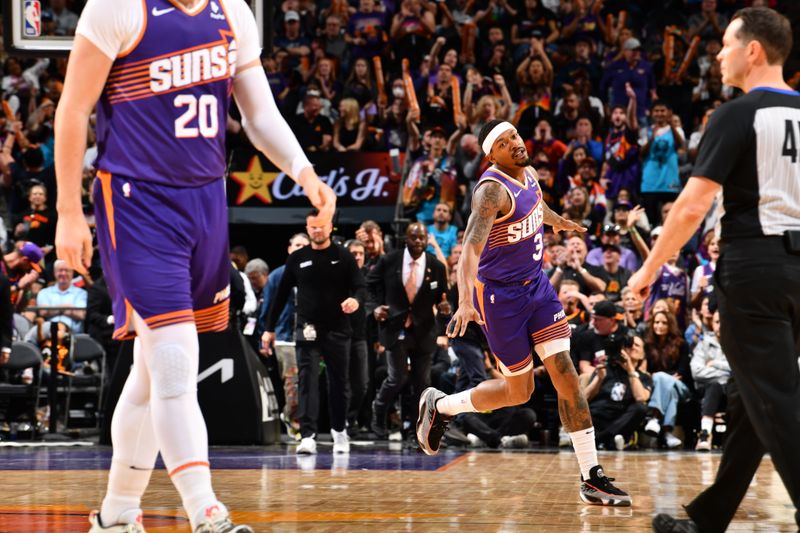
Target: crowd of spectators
[{"x": 611, "y": 98}]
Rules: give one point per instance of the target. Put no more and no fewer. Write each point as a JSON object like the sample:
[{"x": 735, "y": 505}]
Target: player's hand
[
  {"x": 320, "y": 195},
  {"x": 562, "y": 224},
  {"x": 267, "y": 340},
  {"x": 350, "y": 306},
  {"x": 74, "y": 242},
  {"x": 462, "y": 317},
  {"x": 641, "y": 280}
]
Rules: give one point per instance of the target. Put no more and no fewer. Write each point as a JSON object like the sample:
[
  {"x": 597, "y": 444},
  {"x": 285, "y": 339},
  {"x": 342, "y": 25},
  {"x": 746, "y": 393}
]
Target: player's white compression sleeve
[{"x": 264, "y": 125}]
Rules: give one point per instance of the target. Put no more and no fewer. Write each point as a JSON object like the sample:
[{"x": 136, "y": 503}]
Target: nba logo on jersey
[
  {"x": 33, "y": 18},
  {"x": 215, "y": 11}
]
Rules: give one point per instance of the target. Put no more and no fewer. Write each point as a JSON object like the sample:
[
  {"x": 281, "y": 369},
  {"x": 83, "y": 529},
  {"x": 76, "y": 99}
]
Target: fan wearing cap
[
  {"x": 23, "y": 267},
  {"x": 503, "y": 288},
  {"x": 612, "y": 235},
  {"x": 634, "y": 70},
  {"x": 293, "y": 39},
  {"x": 615, "y": 276}
]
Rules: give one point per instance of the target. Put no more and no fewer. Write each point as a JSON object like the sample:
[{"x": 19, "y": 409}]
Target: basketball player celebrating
[
  {"x": 500, "y": 273},
  {"x": 163, "y": 72}
]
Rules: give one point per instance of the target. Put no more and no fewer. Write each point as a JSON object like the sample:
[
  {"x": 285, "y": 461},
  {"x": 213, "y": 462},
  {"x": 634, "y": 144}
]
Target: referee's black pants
[
  {"x": 334, "y": 347},
  {"x": 758, "y": 288}
]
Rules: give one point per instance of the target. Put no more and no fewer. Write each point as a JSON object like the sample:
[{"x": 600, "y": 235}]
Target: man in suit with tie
[{"x": 404, "y": 286}]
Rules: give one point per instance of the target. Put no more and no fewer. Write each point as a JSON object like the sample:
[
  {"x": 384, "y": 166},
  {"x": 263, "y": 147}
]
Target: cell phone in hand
[{"x": 599, "y": 359}]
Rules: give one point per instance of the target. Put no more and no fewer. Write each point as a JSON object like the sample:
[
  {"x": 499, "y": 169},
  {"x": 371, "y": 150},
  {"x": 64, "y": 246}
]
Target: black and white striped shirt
[{"x": 752, "y": 148}]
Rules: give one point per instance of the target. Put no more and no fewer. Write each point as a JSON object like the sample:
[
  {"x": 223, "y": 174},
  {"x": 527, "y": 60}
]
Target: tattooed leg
[{"x": 572, "y": 405}]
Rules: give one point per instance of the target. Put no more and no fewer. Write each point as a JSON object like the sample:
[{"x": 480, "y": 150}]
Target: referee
[{"x": 750, "y": 150}]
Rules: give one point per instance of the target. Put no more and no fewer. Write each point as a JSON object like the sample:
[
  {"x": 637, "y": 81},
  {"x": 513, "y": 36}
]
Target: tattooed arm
[
  {"x": 560, "y": 223},
  {"x": 557, "y": 222},
  {"x": 489, "y": 200}
]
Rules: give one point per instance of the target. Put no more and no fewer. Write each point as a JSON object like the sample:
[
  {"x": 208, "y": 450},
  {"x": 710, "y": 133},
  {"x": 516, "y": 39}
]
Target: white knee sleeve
[
  {"x": 172, "y": 354},
  {"x": 173, "y": 371}
]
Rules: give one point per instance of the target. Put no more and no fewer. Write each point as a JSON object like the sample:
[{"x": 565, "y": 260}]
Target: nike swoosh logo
[
  {"x": 158, "y": 12},
  {"x": 334, "y": 262},
  {"x": 517, "y": 193}
]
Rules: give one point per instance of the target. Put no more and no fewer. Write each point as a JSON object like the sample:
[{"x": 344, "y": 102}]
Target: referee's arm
[{"x": 682, "y": 222}]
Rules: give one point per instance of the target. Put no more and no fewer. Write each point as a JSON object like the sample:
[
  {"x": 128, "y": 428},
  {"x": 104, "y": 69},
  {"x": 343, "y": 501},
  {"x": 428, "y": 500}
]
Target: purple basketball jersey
[
  {"x": 168, "y": 96},
  {"x": 519, "y": 307},
  {"x": 672, "y": 283},
  {"x": 514, "y": 250}
]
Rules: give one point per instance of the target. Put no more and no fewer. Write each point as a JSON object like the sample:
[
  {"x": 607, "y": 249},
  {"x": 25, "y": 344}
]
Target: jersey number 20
[{"x": 200, "y": 118}]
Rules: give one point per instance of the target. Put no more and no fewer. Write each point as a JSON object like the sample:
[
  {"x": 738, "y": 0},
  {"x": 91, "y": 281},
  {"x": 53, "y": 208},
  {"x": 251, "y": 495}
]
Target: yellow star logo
[{"x": 254, "y": 182}]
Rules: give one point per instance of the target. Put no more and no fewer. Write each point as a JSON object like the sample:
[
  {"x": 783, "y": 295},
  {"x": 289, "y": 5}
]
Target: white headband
[{"x": 496, "y": 132}]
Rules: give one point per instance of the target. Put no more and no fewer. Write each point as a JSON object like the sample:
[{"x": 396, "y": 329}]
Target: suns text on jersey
[
  {"x": 528, "y": 226},
  {"x": 214, "y": 62}
]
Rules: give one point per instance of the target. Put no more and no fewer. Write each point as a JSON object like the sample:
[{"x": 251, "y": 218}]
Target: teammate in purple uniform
[
  {"x": 162, "y": 73},
  {"x": 502, "y": 288}
]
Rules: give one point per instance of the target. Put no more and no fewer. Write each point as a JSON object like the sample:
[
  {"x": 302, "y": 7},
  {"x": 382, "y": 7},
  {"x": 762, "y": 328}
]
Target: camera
[{"x": 615, "y": 342}]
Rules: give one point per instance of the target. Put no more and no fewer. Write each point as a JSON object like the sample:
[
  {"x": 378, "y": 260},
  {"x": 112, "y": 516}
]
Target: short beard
[{"x": 527, "y": 163}]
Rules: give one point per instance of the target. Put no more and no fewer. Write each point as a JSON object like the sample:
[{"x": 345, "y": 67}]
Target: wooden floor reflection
[{"x": 476, "y": 492}]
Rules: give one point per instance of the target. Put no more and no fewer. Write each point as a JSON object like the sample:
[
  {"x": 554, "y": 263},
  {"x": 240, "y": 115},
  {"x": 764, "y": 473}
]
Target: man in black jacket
[
  {"x": 329, "y": 289},
  {"x": 403, "y": 288}
]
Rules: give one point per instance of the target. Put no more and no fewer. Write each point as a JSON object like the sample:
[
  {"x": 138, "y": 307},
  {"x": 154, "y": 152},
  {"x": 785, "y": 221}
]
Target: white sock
[
  {"x": 124, "y": 494},
  {"x": 707, "y": 424},
  {"x": 453, "y": 404},
  {"x": 585, "y": 450},
  {"x": 135, "y": 448},
  {"x": 194, "y": 486}
]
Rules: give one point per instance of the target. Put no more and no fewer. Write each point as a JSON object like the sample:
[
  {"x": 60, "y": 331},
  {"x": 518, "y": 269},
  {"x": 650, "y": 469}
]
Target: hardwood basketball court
[{"x": 376, "y": 488}]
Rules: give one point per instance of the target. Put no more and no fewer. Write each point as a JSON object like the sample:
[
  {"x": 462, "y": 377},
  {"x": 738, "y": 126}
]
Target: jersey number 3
[
  {"x": 538, "y": 251},
  {"x": 200, "y": 119}
]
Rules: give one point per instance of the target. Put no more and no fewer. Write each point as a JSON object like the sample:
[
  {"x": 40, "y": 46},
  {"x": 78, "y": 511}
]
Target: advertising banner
[{"x": 365, "y": 183}]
